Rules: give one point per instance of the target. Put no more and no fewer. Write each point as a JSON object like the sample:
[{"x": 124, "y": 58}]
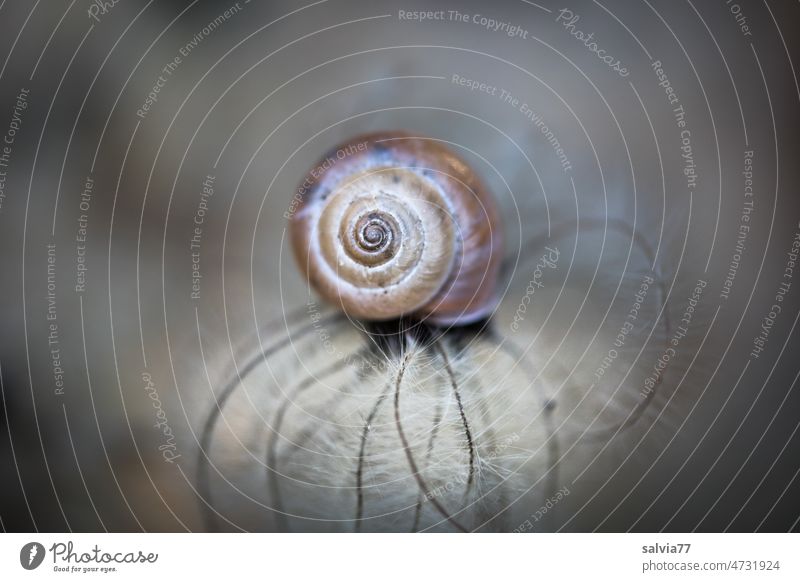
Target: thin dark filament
[
  {"x": 491, "y": 437},
  {"x": 330, "y": 405},
  {"x": 437, "y": 419},
  {"x": 407, "y": 448},
  {"x": 457, "y": 393},
  {"x": 360, "y": 465},
  {"x": 382, "y": 352},
  {"x": 271, "y": 460},
  {"x": 203, "y": 483}
]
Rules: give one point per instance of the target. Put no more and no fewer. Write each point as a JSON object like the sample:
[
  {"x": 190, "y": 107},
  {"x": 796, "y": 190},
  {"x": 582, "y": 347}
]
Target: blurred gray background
[{"x": 260, "y": 92}]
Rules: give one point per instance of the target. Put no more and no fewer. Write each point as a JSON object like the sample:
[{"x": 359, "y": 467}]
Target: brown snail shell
[{"x": 390, "y": 225}]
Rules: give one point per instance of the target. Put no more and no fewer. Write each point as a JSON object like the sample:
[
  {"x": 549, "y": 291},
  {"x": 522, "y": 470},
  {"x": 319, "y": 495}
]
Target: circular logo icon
[{"x": 31, "y": 555}]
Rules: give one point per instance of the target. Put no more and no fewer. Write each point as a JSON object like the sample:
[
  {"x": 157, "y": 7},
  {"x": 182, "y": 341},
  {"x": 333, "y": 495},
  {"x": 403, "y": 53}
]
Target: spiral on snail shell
[{"x": 390, "y": 225}]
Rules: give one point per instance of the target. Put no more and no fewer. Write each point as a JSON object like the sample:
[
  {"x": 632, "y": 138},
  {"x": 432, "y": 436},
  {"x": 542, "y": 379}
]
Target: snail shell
[{"x": 390, "y": 225}]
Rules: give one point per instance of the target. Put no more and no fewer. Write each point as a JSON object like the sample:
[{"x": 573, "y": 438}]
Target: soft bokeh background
[{"x": 256, "y": 100}]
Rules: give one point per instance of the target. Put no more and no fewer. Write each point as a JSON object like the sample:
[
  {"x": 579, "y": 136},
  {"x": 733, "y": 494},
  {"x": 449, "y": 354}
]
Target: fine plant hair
[{"x": 410, "y": 427}]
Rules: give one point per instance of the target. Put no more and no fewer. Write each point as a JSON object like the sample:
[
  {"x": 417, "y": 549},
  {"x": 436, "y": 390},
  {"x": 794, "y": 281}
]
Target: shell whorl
[{"x": 398, "y": 227}]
